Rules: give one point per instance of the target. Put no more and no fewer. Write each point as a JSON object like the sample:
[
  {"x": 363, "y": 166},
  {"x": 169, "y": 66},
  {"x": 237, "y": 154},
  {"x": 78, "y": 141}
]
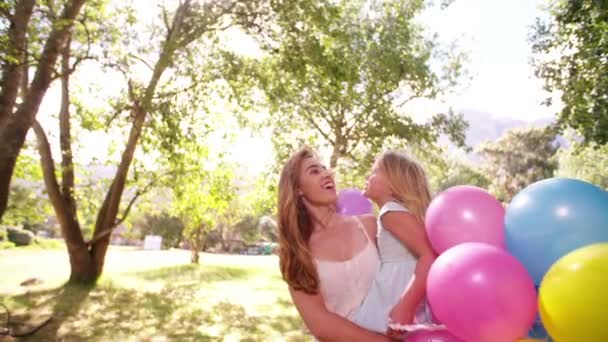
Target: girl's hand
[{"x": 401, "y": 314}]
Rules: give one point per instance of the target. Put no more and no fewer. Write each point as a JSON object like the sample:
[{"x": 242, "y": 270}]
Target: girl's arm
[
  {"x": 326, "y": 325},
  {"x": 413, "y": 235}
]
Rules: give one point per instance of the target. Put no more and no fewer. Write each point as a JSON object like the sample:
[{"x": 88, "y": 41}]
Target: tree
[
  {"x": 519, "y": 158},
  {"x": 16, "y": 117},
  {"x": 571, "y": 51},
  {"x": 343, "y": 70},
  {"x": 588, "y": 163},
  {"x": 446, "y": 169},
  {"x": 201, "y": 197},
  {"x": 152, "y": 109},
  {"x": 163, "y": 224}
]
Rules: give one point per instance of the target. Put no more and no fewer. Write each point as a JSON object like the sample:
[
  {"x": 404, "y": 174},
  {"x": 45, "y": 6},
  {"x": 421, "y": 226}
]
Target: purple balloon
[
  {"x": 482, "y": 293},
  {"x": 351, "y": 202},
  {"x": 465, "y": 213},
  {"x": 432, "y": 336}
]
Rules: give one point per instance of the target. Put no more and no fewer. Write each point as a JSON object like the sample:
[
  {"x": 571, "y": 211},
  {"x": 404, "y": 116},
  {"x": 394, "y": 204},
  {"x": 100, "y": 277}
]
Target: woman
[{"x": 328, "y": 260}]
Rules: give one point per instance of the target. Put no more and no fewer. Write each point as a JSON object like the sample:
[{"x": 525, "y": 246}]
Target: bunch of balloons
[
  {"x": 553, "y": 236},
  {"x": 498, "y": 269}
]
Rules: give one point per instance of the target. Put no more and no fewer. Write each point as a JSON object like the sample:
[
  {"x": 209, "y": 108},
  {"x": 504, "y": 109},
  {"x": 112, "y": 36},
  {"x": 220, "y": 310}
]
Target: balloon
[
  {"x": 351, "y": 202},
  {"x": 464, "y": 214},
  {"x": 538, "y": 330},
  {"x": 572, "y": 297},
  {"x": 482, "y": 293},
  {"x": 530, "y": 340},
  {"x": 550, "y": 218},
  {"x": 432, "y": 336}
]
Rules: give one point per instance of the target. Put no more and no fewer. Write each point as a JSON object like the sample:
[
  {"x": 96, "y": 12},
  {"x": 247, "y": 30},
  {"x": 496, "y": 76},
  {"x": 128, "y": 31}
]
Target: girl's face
[
  {"x": 377, "y": 187},
  {"x": 317, "y": 183}
]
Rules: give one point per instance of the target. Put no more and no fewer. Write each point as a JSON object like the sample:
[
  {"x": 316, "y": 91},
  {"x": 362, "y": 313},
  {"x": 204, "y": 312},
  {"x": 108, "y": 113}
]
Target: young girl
[{"x": 398, "y": 185}]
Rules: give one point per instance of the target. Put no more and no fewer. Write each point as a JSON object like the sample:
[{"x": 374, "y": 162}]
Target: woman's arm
[
  {"x": 412, "y": 234},
  {"x": 326, "y": 325}
]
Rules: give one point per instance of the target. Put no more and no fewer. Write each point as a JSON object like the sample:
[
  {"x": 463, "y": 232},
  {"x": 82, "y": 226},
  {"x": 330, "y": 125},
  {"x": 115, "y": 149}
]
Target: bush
[
  {"x": 45, "y": 243},
  {"x": 3, "y": 234},
  {"x": 20, "y": 237},
  {"x": 6, "y": 245}
]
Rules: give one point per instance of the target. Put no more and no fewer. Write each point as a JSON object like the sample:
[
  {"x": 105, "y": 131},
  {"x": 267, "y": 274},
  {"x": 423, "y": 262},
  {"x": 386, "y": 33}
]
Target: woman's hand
[{"x": 396, "y": 335}]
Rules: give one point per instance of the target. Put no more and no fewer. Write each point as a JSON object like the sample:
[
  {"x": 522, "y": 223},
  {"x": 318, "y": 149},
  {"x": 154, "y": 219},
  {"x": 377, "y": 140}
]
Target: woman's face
[
  {"x": 376, "y": 186},
  {"x": 317, "y": 183}
]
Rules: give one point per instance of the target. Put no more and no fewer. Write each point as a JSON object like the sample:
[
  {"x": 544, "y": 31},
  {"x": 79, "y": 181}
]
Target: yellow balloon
[{"x": 573, "y": 296}]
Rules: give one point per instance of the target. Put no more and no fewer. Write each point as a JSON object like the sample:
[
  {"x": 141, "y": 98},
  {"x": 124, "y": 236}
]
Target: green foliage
[
  {"x": 3, "y": 234},
  {"x": 6, "y": 245},
  {"x": 340, "y": 69},
  {"x": 445, "y": 170},
  {"x": 571, "y": 50},
  {"x": 262, "y": 198},
  {"x": 519, "y": 158},
  {"x": 27, "y": 203},
  {"x": 588, "y": 163},
  {"x": 40, "y": 243},
  {"x": 163, "y": 224},
  {"x": 459, "y": 173}
]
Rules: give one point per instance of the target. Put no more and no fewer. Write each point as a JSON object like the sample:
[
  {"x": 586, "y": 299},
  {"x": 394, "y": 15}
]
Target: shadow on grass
[
  {"x": 108, "y": 312},
  {"x": 60, "y": 303}
]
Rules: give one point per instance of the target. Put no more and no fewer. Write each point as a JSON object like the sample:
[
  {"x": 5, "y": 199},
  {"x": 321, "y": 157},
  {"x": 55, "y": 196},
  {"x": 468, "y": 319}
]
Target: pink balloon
[
  {"x": 465, "y": 213},
  {"x": 432, "y": 336},
  {"x": 351, "y": 202},
  {"x": 482, "y": 293}
]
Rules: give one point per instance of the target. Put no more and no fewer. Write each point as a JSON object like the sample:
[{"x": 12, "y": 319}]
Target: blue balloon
[{"x": 552, "y": 217}]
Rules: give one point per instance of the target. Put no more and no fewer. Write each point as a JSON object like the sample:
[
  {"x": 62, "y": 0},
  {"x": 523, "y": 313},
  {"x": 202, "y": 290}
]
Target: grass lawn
[{"x": 152, "y": 296}]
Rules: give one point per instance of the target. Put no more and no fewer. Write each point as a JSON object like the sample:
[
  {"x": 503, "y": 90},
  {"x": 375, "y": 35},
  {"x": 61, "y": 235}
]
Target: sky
[{"x": 494, "y": 33}]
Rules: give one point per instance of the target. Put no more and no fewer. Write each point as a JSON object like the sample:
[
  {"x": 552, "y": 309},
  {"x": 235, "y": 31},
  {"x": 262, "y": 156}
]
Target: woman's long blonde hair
[
  {"x": 295, "y": 228},
  {"x": 408, "y": 182}
]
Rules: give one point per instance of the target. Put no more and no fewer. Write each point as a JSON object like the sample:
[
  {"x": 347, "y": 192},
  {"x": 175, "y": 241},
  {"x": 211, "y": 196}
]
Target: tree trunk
[
  {"x": 339, "y": 145},
  {"x": 335, "y": 155},
  {"x": 194, "y": 257},
  {"x": 108, "y": 213},
  {"x": 196, "y": 243},
  {"x": 14, "y": 130},
  {"x": 80, "y": 260},
  {"x": 12, "y": 72}
]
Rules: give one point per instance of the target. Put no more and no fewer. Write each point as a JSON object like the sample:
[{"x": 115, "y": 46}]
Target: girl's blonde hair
[
  {"x": 407, "y": 181},
  {"x": 295, "y": 228}
]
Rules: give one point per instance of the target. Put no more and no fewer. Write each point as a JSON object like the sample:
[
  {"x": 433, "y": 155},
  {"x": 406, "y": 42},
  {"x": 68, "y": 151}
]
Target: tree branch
[
  {"x": 65, "y": 139},
  {"x": 69, "y": 226},
  {"x": 125, "y": 214},
  {"x": 141, "y": 60},
  {"x": 317, "y": 127},
  {"x": 48, "y": 164}
]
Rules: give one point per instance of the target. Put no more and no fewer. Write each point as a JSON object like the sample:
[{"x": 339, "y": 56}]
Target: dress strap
[{"x": 362, "y": 226}]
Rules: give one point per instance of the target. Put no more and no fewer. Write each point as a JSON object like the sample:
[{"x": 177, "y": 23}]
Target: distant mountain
[{"x": 484, "y": 126}]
